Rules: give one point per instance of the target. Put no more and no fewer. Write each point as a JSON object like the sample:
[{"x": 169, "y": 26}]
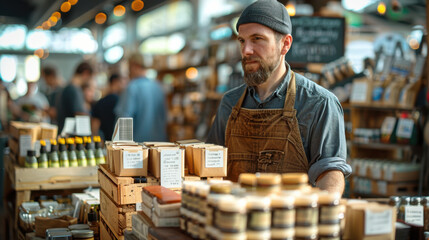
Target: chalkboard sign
[{"x": 316, "y": 39}]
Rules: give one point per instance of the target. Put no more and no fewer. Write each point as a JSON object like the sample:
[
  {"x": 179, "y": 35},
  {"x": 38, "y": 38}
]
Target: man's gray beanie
[{"x": 270, "y": 13}]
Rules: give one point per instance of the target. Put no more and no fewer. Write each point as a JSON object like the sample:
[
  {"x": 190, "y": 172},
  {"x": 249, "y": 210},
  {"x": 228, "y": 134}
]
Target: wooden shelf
[
  {"x": 381, "y": 146},
  {"x": 377, "y": 107}
]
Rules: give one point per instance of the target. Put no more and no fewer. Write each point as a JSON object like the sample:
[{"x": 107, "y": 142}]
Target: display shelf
[
  {"x": 382, "y": 146},
  {"x": 378, "y": 107}
]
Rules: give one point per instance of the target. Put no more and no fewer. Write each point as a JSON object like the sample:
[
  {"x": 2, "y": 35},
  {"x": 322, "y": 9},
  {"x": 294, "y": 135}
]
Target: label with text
[
  {"x": 171, "y": 168},
  {"x": 25, "y": 144},
  {"x": 414, "y": 215},
  {"x": 132, "y": 159},
  {"x": 214, "y": 159},
  {"x": 378, "y": 222}
]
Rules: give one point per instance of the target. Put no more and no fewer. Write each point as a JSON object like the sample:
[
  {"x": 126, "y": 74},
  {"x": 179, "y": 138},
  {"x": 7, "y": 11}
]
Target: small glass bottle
[
  {"x": 64, "y": 157},
  {"x": 306, "y": 211},
  {"x": 247, "y": 181},
  {"x": 93, "y": 223},
  {"x": 268, "y": 183},
  {"x": 283, "y": 217},
  {"x": 54, "y": 161},
  {"x": 99, "y": 155},
  {"x": 31, "y": 160},
  {"x": 258, "y": 213},
  {"x": 405, "y": 201},
  {"x": 231, "y": 215},
  {"x": 394, "y": 201},
  {"x": 43, "y": 158},
  {"x": 80, "y": 153},
  {"x": 90, "y": 155},
  {"x": 425, "y": 203},
  {"x": 415, "y": 201},
  {"x": 72, "y": 152}
]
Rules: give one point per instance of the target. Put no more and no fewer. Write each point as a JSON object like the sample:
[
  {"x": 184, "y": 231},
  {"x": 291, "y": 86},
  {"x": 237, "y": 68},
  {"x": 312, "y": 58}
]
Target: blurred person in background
[
  {"x": 144, "y": 101},
  {"x": 71, "y": 100},
  {"x": 53, "y": 90},
  {"x": 103, "y": 115},
  {"x": 88, "y": 90},
  {"x": 33, "y": 106}
]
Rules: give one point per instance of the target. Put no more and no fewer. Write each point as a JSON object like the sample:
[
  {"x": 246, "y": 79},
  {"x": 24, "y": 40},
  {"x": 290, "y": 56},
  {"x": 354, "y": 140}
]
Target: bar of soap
[{"x": 163, "y": 195}]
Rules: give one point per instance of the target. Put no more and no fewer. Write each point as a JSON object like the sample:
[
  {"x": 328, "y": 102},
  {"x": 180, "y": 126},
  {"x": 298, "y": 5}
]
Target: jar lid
[
  {"x": 79, "y": 227},
  {"x": 329, "y": 229},
  {"x": 233, "y": 204},
  {"x": 306, "y": 200},
  {"x": 282, "y": 201},
  {"x": 258, "y": 235},
  {"x": 215, "y": 198},
  {"x": 268, "y": 179},
  {"x": 221, "y": 188},
  {"x": 306, "y": 231},
  {"x": 247, "y": 179},
  {"x": 257, "y": 202},
  {"x": 203, "y": 190},
  {"x": 82, "y": 233},
  {"x": 294, "y": 178},
  {"x": 329, "y": 198},
  {"x": 282, "y": 233}
]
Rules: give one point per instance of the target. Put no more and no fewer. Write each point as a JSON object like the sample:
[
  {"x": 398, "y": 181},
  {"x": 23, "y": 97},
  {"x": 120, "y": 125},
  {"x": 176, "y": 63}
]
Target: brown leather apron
[{"x": 266, "y": 140}]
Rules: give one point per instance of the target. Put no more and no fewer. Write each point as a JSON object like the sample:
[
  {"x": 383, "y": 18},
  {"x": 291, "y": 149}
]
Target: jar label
[
  {"x": 283, "y": 218},
  {"x": 230, "y": 222},
  {"x": 306, "y": 216},
  {"x": 414, "y": 215},
  {"x": 259, "y": 220},
  {"x": 329, "y": 214}
]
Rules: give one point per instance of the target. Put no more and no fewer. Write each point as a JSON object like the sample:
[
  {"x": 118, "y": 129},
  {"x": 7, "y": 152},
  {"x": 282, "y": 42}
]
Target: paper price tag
[
  {"x": 359, "y": 91},
  {"x": 214, "y": 159},
  {"x": 378, "y": 222},
  {"x": 414, "y": 215},
  {"x": 83, "y": 126},
  {"x": 171, "y": 168},
  {"x": 139, "y": 207},
  {"x": 132, "y": 159},
  {"x": 25, "y": 144}
]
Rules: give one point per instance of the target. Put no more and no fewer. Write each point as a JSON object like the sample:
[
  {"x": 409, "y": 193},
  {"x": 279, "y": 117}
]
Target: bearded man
[{"x": 279, "y": 121}]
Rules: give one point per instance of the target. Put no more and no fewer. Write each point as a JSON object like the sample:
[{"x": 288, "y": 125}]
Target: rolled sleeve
[{"x": 328, "y": 164}]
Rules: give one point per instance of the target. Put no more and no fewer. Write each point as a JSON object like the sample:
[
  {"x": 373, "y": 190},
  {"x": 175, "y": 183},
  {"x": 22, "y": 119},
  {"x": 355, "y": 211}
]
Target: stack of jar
[{"x": 261, "y": 206}]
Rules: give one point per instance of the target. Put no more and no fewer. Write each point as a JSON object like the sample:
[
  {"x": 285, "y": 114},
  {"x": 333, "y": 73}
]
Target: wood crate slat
[
  {"x": 105, "y": 232},
  {"x": 122, "y": 190},
  {"x": 119, "y": 218},
  {"x": 51, "y": 178}
]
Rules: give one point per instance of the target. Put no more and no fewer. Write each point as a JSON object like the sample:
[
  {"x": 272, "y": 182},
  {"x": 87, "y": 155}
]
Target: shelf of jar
[{"x": 381, "y": 146}]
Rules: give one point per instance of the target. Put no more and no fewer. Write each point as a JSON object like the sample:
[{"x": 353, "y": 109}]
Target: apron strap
[
  {"x": 288, "y": 109},
  {"x": 237, "y": 107}
]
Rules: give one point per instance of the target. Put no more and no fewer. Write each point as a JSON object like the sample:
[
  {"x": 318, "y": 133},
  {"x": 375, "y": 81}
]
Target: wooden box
[
  {"x": 23, "y": 128},
  {"x": 51, "y": 178},
  {"x": 48, "y": 131},
  {"x": 105, "y": 232},
  {"x": 122, "y": 190},
  {"x": 118, "y": 217},
  {"x": 210, "y": 161}
]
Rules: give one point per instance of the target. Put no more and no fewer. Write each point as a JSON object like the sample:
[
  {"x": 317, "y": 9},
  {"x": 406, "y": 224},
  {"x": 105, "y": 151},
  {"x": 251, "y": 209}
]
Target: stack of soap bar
[{"x": 162, "y": 206}]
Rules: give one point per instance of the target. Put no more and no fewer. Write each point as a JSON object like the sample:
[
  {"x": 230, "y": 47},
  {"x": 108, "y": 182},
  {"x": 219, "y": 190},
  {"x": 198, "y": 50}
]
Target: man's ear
[{"x": 286, "y": 44}]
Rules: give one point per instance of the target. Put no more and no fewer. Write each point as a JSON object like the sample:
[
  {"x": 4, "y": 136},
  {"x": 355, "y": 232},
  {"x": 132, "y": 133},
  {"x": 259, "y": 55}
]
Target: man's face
[{"x": 260, "y": 52}]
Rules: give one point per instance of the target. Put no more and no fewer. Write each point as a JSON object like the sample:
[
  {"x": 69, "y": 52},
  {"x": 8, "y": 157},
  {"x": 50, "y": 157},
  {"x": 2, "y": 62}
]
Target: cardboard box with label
[
  {"x": 187, "y": 145},
  {"x": 210, "y": 161},
  {"x": 370, "y": 221},
  {"x": 128, "y": 160},
  {"x": 48, "y": 131},
  {"x": 167, "y": 164}
]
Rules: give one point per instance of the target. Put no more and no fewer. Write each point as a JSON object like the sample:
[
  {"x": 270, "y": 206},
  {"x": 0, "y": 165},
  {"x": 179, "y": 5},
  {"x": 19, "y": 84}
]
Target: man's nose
[{"x": 247, "y": 49}]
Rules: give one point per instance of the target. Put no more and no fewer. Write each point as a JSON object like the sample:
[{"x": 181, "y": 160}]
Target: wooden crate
[
  {"x": 106, "y": 233},
  {"x": 118, "y": 217},
  {"x": 50, "y": 178},
  {"x": 122, "y": 190}
]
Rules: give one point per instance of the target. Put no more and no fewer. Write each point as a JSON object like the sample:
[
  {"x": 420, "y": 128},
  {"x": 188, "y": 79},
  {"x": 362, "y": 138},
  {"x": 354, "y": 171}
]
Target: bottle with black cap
[
  {"x": 53, "y": 155},
  {"x": 31, "y": 160},
  {"x": 43, "y": 158},
  {"x": 93, "y": 223},
  {"x": 72, "y": 152},
  {"x": 64, "y": 157}
]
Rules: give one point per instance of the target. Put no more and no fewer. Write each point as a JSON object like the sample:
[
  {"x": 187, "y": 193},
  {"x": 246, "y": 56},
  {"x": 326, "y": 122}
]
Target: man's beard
[{"x": 261, "y": 75}]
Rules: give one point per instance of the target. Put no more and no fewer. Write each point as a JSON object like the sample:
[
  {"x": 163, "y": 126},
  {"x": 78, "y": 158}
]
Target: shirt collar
[{"x": 280, "y": 91}]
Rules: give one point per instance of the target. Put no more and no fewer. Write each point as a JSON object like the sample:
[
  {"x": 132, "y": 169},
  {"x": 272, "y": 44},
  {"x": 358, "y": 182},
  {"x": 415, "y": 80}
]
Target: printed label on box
[
  {"x": 359, "y": 91},
  {"x": 171, "y": 168},
  {"x": 139, "y": 207},
  {"x": 132, "y": 159},
  {"x": 25, "y": 144},
  {"x": 214, "y": 159},
  {"x": 405, "y": 128},
  {"x": 414, "y": 215},
  {"x": 378, "y": 222}
]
